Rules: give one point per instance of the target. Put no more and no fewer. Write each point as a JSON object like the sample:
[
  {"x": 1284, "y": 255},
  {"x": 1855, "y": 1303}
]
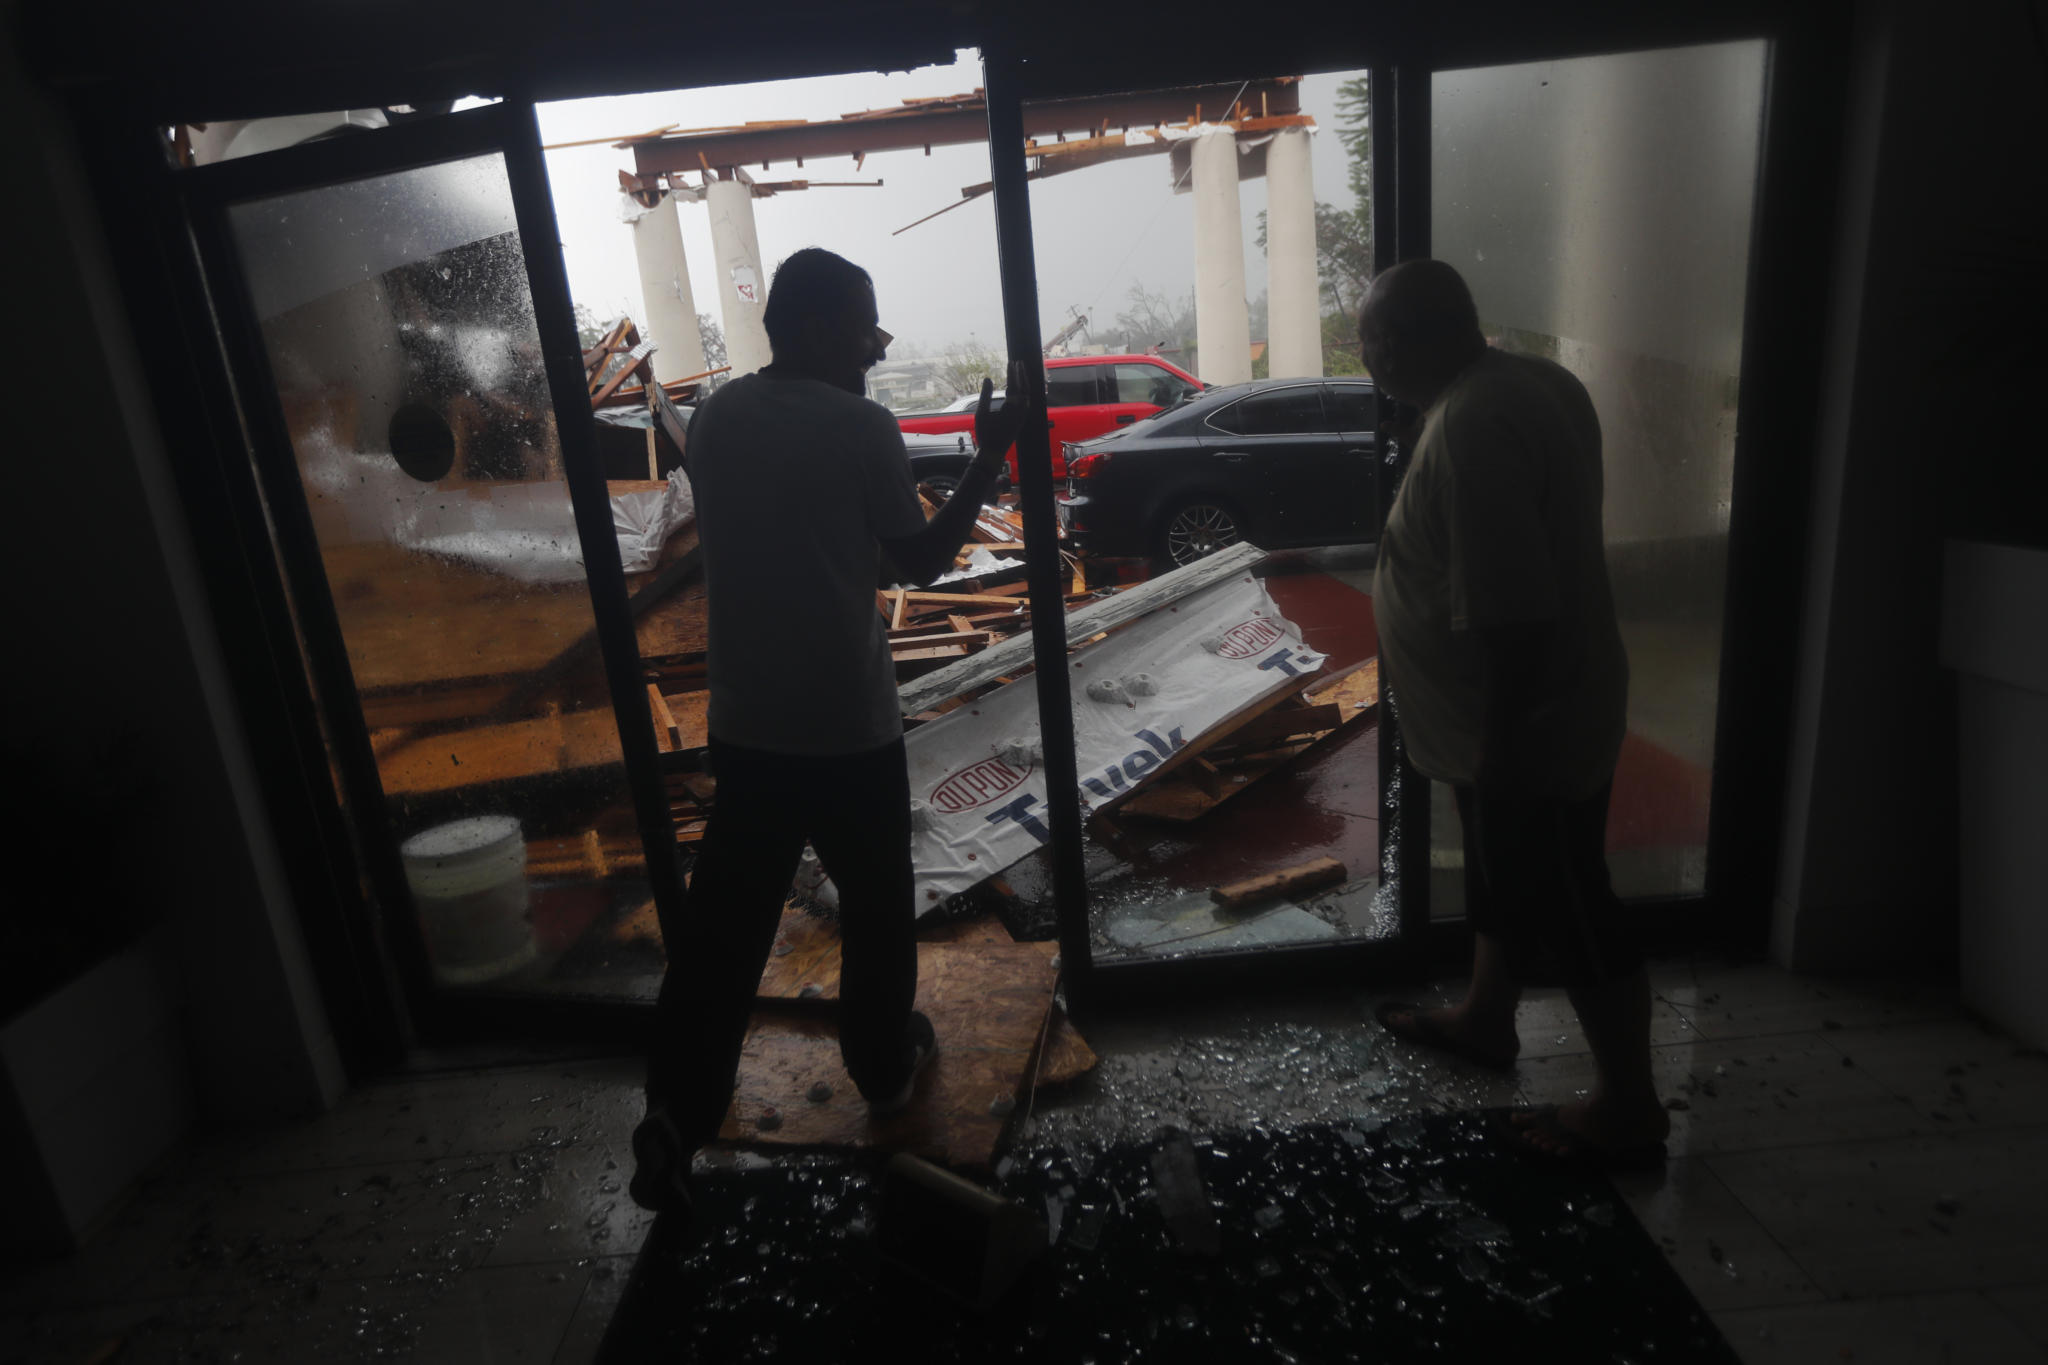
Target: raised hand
[{"x": 996, "y": 428}]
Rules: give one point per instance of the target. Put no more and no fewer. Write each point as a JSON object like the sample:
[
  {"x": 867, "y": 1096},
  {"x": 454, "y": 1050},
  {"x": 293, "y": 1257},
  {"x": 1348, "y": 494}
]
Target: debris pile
[{"x": 1185, "y": 690}]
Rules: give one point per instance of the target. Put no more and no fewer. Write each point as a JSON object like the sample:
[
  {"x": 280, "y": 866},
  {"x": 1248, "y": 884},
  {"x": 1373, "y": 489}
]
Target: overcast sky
[{"x": 1098, "y": 231}]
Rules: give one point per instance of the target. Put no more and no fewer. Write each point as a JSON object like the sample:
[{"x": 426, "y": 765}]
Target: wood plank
[
  {"x": 1102, "y": 614},
  {"x": 912, "y": 656},
  {"x": 972, "y": 639},
  {"x": 963, "y": 599},
  {"x": 1203, "y": 774},
  {"x": 1064, "y": 1055},
  {"x": 989, "y": 1004},
  {"x": 635, "y": 359},
  {"x": 666, "y": 731},
  {"x": 1284, "y": 723},
  {"x": 542, "y": 746},
  {"x": 897, "y": 609},
  {"x": 690, "y": 712},
  {"x": 1312, "y": 875}
]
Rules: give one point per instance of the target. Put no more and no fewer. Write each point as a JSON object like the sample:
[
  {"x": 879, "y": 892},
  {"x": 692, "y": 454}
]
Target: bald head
[{"x": 1417, "y": 329}]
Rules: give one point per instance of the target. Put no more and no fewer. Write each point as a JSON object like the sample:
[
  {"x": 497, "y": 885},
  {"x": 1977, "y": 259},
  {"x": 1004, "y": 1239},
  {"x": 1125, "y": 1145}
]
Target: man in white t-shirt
[
  {"x": 804, "y": 494},
  {"x": 1501, "y": 652}
]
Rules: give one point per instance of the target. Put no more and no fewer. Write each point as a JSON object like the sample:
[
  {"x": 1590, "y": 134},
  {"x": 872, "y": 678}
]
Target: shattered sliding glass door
[{"x": 434, "y": 532}]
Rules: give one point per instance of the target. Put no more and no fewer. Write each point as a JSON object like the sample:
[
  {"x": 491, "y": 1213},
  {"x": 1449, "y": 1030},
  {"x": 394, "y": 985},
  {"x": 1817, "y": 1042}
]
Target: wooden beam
[
  {"x": 1288, "y": 881},
  {"x": 911, "y": 646},
  {"x": 635, "y": 358},
  {"x": 664, "y": 720},
  {"x": 943, "y": 125}
]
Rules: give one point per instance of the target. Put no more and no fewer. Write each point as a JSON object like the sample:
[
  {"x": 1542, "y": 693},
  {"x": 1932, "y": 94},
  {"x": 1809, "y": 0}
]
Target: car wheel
[
  {"x": 940, "y": 485},
  {"x": 1197, "y": 528}
]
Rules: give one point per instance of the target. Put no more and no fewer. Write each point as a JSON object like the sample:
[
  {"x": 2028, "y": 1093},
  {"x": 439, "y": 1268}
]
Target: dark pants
[
  {"x": 855, "y": 811},
  {"x": 1536, "y": 878}
]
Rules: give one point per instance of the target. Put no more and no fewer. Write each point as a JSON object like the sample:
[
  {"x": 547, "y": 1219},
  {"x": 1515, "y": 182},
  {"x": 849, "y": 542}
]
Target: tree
[
  {"x": 1151, "y": 319},
  {"x": 712, "y": 336},
  {"x": 966, "y": 363},
  {"x": 589, "y": 329},
  {"x": 1343, "y": 256}
]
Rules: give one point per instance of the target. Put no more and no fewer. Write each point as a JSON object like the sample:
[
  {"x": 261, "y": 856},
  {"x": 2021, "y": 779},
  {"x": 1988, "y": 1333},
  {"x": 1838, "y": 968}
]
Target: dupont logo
[
  {"x": 978, "y": 785},
  {"x": 1247, "y": 638}
]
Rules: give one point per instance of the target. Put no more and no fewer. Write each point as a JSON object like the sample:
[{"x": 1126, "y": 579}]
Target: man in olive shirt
[{"x": 1499, "y": 643}]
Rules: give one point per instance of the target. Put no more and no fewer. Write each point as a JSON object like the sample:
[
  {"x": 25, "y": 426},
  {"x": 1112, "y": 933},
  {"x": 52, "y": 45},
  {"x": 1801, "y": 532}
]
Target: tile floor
[{"x": 1859, "y": 1174}]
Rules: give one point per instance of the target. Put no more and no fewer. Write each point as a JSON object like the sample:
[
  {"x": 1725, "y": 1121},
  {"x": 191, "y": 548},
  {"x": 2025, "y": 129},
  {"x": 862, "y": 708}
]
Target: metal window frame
[
  {"x": 1009, "y": 80},
  {"x": 510, "y": 130}
]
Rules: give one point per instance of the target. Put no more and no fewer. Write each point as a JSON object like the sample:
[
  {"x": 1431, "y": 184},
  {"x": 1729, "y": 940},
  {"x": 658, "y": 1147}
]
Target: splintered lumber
[
  {"x": 667, "y": 734},
  {"x": 1313, "y": 875},
  {"x": 682, "y": 720},
  {"x": 1282, "y": 724},
  {"x": 1104, "y": 614},
  {"x": 1230, "y": 759},
  {"x": 954, "y": 601},
  {"x": 969, "y": 639}
]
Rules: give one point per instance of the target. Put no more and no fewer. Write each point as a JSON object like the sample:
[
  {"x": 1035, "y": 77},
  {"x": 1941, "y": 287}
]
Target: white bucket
[{"x": 468, "y": 880}]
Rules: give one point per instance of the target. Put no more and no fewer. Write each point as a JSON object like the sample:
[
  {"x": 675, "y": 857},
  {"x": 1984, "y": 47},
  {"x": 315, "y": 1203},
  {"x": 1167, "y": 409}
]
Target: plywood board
[
  {"x": 806, "y": 951},
  {"x": 988, "y": 1003}
]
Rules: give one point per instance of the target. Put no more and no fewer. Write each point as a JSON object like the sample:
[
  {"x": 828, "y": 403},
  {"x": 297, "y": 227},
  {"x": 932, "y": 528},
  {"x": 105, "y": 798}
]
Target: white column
[
  {"x": 668, "y": 313},
  {"x": 1294, "y": 337},
  {"x": 1223, "y": 328},
  {"x": 742, "y": 283}
]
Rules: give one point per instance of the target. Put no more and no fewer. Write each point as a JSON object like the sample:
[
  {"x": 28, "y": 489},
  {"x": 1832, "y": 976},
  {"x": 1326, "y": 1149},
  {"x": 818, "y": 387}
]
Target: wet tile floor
[{"x": 1859, "y": 1173}]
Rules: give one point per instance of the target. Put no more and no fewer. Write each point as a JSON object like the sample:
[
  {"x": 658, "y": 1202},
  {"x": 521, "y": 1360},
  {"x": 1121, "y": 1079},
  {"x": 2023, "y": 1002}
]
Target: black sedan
[
  {"x": 939, "y": 462},
  {"x": 1278, "y": 462}
]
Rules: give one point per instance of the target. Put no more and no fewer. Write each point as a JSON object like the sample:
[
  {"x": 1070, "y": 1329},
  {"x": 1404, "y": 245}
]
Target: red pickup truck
[{"x": 1087, "y": 395}]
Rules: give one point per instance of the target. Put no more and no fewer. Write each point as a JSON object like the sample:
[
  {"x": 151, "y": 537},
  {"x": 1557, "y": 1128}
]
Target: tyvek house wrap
[{"x": 977, "y": 775}]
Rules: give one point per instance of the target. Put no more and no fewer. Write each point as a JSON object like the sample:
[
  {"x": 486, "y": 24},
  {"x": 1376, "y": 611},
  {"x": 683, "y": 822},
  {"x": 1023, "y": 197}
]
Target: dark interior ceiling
[{"x": 241, "y": 59}]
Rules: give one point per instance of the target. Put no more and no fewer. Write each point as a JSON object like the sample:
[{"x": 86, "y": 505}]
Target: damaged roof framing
[{"x": 953, "y": 120}]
